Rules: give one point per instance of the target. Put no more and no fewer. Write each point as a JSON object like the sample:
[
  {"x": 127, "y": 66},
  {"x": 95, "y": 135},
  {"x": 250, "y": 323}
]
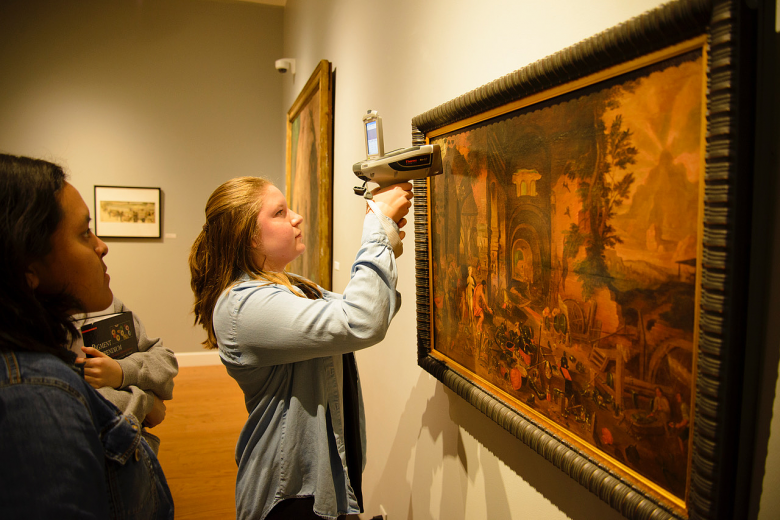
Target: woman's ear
[
  {"x": 31, "y": 274},
  {"x": 256, "y": 240}
]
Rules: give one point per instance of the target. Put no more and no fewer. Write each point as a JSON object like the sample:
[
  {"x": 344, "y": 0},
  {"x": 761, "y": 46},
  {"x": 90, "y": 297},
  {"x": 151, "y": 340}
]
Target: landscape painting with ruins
[{"x": 564, "y": 253}]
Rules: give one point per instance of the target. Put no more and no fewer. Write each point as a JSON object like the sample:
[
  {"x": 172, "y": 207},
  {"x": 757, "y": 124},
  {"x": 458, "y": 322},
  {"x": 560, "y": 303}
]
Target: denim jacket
[
  {"x": 285, "y": 353},
  {"x": 66, "y": 452}
]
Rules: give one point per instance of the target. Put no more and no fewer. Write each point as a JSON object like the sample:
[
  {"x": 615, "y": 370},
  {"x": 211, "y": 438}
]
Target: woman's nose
[
  {"x": 296, "y": 218},
  {"x": 101, "y": 248}
]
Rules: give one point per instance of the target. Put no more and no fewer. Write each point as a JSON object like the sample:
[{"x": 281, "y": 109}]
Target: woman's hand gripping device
[{"x": 397, "y": 166}]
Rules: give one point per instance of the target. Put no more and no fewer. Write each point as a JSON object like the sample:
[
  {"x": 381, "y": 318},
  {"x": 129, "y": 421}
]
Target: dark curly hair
[{"x": 29, "y": 214}]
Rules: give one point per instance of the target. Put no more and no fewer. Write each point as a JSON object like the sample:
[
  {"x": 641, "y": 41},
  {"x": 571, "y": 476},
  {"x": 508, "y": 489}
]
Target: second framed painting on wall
[
  {"x": 127, "y": 212},
  {"x": 310, "y": 173}
]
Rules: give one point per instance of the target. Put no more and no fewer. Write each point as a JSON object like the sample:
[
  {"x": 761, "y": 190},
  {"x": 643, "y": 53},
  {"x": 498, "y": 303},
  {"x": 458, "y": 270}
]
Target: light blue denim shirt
[{"x": 285, "y": 353}]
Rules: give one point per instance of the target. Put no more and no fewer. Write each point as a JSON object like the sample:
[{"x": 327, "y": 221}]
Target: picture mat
[{"x": 127, "y": 229}]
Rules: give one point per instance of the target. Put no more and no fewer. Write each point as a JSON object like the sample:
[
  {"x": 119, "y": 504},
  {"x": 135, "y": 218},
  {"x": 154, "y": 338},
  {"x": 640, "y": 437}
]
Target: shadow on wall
[
  {"x": 453, "y": 466},
  {"x": 435, "y": 424},
  {"x": 422, "y": 423},
  {"x": 574, "y": 500}
]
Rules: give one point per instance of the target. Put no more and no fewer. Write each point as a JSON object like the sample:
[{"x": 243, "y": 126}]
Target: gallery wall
[
  {"x": 176, "y": 94},
  {"x": 182, "y": 94},
  {"x": 431, "y": 455}
]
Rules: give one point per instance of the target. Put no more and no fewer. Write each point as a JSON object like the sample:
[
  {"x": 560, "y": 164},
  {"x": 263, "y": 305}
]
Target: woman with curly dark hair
[{"x": 66, "y": 451}]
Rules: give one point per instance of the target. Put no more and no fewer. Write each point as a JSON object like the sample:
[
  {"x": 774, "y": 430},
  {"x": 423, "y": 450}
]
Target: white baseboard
[{"x": 198, "y": 359}]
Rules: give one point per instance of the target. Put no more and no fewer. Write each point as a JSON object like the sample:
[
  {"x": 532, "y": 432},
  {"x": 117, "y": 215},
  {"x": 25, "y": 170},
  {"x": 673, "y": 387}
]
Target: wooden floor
[{"x": 198, "y": 440}]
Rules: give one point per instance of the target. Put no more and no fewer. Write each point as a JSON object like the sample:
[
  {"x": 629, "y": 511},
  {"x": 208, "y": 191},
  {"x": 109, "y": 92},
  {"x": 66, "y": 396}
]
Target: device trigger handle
[{"x": 362, "y": 191}]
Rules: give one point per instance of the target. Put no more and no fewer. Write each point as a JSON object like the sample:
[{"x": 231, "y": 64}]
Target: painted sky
[{"x": 664, "y": 112}]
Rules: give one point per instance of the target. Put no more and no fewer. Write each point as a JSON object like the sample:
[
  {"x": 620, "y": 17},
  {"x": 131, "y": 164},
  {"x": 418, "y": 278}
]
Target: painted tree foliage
[{"x": 601, "y": 188}]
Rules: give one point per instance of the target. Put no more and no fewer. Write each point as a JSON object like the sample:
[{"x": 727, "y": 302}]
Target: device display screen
[{"x": 372, "y": 138}]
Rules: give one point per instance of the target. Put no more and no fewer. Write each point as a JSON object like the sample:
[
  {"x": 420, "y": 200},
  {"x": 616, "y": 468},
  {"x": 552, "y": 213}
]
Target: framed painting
[
  {"x": 310, "y": 173},
  {"x": 577, "y": 275},
  {"x": 127, "y": 212}
]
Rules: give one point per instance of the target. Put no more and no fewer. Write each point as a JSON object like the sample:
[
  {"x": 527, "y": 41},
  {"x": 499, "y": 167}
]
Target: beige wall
[{"x": 178, "y": 94}]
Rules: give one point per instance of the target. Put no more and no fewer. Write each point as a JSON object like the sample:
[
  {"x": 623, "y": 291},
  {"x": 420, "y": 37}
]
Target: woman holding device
[
  {"x": 289, "y": 344},
  {"x": 66, "y": 452}
]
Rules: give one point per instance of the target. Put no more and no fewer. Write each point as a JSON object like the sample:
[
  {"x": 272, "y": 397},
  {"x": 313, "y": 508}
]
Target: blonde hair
[{"x": 223, "y": 250}]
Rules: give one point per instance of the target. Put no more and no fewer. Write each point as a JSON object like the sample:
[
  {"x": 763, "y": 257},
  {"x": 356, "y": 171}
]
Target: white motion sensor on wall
[{"x": 284, "y": 65}]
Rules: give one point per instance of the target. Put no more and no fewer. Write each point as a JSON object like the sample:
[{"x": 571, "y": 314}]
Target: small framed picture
[{"x": 127, "y": 212}]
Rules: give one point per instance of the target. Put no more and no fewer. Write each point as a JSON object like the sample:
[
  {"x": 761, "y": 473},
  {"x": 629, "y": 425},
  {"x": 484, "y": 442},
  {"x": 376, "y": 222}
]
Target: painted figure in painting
[
  {"x": 566, "y": 234},
  {"x": 470, "y": 286},
  {"x": 682, "y": 428},
  {"x": 661, "y": 408}
]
